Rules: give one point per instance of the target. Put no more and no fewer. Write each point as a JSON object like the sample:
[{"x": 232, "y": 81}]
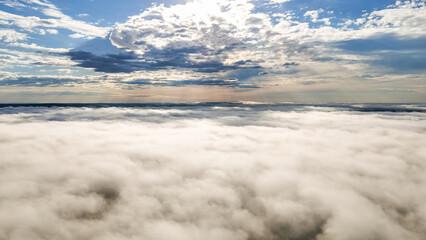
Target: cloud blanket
[{"x": 212, "y": 172}]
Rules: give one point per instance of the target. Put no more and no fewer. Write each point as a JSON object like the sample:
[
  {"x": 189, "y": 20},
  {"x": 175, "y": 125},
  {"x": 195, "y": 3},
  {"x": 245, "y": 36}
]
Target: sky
[{"x": 212, "y": 50}]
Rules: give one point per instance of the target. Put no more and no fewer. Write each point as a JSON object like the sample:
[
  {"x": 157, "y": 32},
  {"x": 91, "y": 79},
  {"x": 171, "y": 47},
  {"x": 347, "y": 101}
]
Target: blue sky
[{"x": 212, "y": 50}]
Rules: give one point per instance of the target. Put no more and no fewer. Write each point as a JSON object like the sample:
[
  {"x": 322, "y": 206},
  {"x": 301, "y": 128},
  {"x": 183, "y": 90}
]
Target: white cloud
[
  {"x": 278, "y": 1},
  {"x": 404, "y": 19},
  {"x": 314, "y": 14},
  {"x": 11, "y": 35},
  {"x": 222, "y": 32},
  {"x": 44, "y": 3},
  {"x": 11, "y": 3},
  {"x": 211, "y": 173},
  {"x": 58, "y": 20},
  {"x": 77, "y": 35},
  {"x": 40, "y": 48},
  {"x": 52, "y": 31},
  {"x": 156, "y": 26},
  {"x": 212, "y": 24}
]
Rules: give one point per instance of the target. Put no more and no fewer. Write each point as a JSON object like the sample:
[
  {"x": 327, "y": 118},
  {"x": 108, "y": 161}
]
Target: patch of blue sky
[{"x": 107, "y": 12}]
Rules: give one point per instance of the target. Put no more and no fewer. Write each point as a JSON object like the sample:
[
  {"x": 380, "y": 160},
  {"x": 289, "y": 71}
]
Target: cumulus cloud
[
  {"x": 212, "y": 172},
  {"x": 202, "y": 35},
  {"x": 235, "y": 38},
  {"x": 212, "y": 24}
]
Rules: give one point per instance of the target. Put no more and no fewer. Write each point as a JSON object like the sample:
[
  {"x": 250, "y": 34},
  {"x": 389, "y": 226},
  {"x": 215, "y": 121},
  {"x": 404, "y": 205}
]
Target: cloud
[
  {"x": 278, "y": 1},
  {"x": 401, "y": 18},
  {"x": 211, "y": 172},
  {"x": 10, "y": 35},
  {"x": 42, "y": 57},
  {"x": 40, "y": 81},
  {"x": 52, "y": 31},
  {"x": 57, "y": 20},
  {"x": 230, "y": 40},
  {"x": 13, "y": 4},
  {"x": 111, "y": 63},
  {"x": 289, "y": 64},
  {"x": 39, "y": 48},
  {"x": 224, "y": 24},
  {"x": 204, "y": 82},
  {"x": 100, "y": 55},
  {"x": 314, "y": 14},
  {"x": 185, "y": 36},
  {"x": 76, "y": 35},
  {"x": 188, "y": 36}
]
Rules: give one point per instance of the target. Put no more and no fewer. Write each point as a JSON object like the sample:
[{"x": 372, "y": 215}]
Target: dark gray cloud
[
  {"x": 36, "y": 81},
  {"x": 109, "y": 63},
  {"x": 288, "y": 64},
  {"x": 213, "y": 82},
  {"x": 109, "y": 59},
  {"x": 311, "y": 82}
]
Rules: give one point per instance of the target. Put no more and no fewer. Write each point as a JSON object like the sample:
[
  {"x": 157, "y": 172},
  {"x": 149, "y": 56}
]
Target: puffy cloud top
[
  {"x": 209, "y": 24},
  {"x": 212, "y": 172}
]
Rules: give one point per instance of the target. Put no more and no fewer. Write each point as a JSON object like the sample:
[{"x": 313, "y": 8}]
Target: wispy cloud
[
  {"x": 39, "y": 48},
  {"x": 58, "y": 20}
]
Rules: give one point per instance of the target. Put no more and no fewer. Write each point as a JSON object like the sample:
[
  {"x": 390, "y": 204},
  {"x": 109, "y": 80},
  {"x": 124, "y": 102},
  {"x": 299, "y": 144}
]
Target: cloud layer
[{"x": 212, "y": 172}]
